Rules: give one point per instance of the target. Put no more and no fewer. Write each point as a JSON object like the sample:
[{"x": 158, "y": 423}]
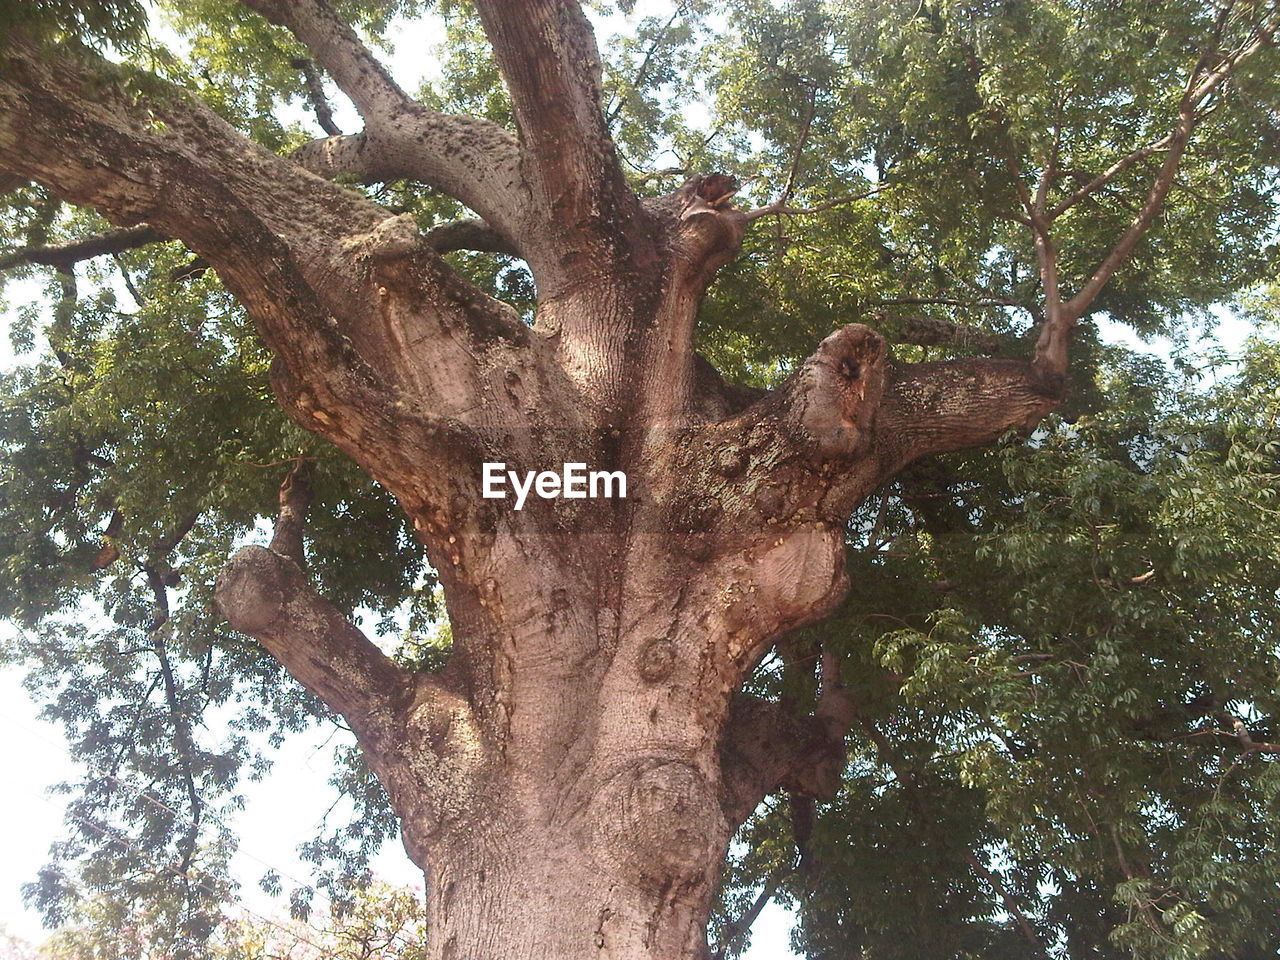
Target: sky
[{"x": 283, "y": 810}]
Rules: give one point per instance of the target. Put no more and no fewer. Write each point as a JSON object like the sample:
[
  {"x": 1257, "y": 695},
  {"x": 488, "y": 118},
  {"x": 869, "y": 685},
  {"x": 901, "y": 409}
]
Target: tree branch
[
  {"x": 1102, "y": 179},
  {"x": 940, "y": 406},
  {"x": 932, "y": 408},
  {"x": 780, "y": 208},
  {"x": 932, "y": 332},
  {"x": 1246, "y": 741},
  {"x": 469, "y": 235},
  {"x": 266, "y": 596},
  {"x": 1051, "y": 348},
  {"x": 334, "y": 283},
  {"x": 63, "y": 255},
  {"x": 735, "y": 932},
  {"x": 911, "y": 787},
  {"x": 340, "y": 52},
  {"x": 295, "y": 498},
  {"x": 765, "y": 747},
  {"x": 642, "y": 73},
  {"x": 469, "y": 159},
  {"x": 547, "y": 54},
  {"x": 315, "y": 93}
]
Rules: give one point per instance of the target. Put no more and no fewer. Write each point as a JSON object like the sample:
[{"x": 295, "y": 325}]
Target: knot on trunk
[
  {"x": 250, "y": 591},
  {"x": 656, "y": 660},
  {"x": 662, "y": 822},
  {"x": 835, "y": 394},
  {"x": 779, "y": 584}
]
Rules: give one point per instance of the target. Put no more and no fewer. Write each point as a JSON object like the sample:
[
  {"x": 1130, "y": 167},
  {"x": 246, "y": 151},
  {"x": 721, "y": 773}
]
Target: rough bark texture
[{"x": 571, "y": 780}]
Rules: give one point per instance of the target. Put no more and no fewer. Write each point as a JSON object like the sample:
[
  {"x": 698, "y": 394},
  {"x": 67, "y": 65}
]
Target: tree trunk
[{"x": 628, "y": 875}]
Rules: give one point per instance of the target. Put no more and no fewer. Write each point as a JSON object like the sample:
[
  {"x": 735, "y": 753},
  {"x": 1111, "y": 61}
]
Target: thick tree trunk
[{"x": 628, "y": 874}]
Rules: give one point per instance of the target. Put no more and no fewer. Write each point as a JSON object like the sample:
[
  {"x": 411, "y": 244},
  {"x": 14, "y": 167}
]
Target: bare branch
[
  {"x": 583, "y": 204},
  {"x": 340, "y": 52},
  {"x": 931, "y": 332},
  {"x": 467, "y": 158},
  {"x": 63, "y": 255},
  {"x": 295, "y": 498},
  {"x": 266, "y": 596},
  {"x": 780, "y": 208},
  {"x": 469, "y": 235},
  {"x": 315, "y": 93},
  {"x": 1102, "y": 179},
  {"x": 939, "y": 406}
]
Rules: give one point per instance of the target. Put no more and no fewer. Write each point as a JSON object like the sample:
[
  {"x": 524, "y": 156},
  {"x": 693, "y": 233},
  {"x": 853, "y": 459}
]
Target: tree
[{"x": 570, "y": 773}]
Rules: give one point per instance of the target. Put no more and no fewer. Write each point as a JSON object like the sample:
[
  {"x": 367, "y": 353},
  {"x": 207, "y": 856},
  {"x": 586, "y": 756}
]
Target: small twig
[
  {"x": 774, "y": 209},
  {"x": 128, "y": 280}
]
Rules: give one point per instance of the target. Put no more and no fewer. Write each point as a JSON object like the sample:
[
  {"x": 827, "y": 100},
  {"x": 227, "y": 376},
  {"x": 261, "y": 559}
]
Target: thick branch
[
  {"x": 833, "y": 397},
  {"x": 940, "y": 406},
  {"x": 449, "y": 237},
  {"x": 766, "y": 748},
  {"x": 295, "y": 498},
  {"x": 314, "y": 264},
  {"x": 932, "y": 408},
  {"x": 266, "y": 596},
  {"x": 469, "y": 159},
  {"x": 469, "y": 235},
  {"x": 932, "y": 332},
  {"x": 547, "y": 53}
]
